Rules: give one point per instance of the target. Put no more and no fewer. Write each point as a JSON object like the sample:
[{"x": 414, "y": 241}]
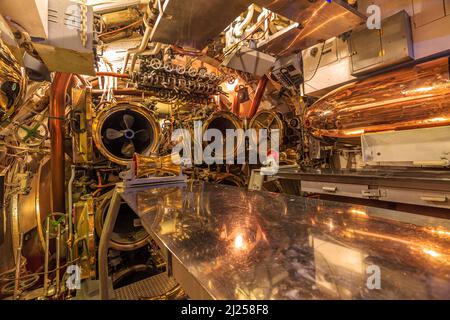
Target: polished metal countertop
[{"x": 241, "y": 244}]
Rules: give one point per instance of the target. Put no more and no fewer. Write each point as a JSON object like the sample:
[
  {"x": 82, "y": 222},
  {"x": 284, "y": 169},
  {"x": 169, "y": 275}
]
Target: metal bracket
[
  {"x": 371, "y": 193},
  {"x": 153, "y": 181},
  {"x": 434, "y": 198}
]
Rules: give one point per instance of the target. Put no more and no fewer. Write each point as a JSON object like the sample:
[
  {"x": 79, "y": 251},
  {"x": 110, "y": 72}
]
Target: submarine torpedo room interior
[{"x": 226, "y": 150}]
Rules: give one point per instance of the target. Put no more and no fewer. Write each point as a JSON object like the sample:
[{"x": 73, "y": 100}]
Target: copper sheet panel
[
  {"x": 318, "y": 21},
  {"x": 241, "y": 244}
]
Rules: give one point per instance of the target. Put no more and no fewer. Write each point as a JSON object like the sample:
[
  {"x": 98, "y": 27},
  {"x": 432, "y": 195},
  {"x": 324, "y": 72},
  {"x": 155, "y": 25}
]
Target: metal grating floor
[{"x": 147, "y": 288}]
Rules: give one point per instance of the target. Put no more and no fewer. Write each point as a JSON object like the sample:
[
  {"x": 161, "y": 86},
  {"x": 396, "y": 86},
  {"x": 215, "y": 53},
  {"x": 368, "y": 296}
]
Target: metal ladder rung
[{"x": 150, "y": 287}]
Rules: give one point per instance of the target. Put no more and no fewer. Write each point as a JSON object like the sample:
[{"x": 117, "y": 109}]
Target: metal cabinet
[
  {"x": 366, "y": 50},
  {"x": 427, "y": 11},
  {"x": 339, "y": 189},
  {"x": 417, "y": 197},
  {"x": 376, "y": 49},
  {"x": 391, "y": 194}
]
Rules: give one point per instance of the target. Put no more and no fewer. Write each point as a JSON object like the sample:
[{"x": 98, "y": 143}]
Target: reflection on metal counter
[
  {"x": 228, "y": 243},
  {"x": 189, "y": 149}
]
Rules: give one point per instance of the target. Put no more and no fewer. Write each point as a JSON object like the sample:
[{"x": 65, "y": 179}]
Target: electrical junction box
[
  {"x": 249, "y": 60},
  {"x": 288, "y": 71},
  {"x": 373, "y": 49},
  {"x": 326, "y": 66},
  {"x": 430, "y": 21}
]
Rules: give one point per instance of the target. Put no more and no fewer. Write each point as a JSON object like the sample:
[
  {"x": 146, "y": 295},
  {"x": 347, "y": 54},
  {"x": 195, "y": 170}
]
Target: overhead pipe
[
  {"x": 152, "y": 52},
  {"x": 138, "y": 50},
  {"x": 222, "y": 103},
  {"x": 236, "y": 106},
  {"x": 58, "y": 93},
  {"x": 120, "y": 91},
  {"x": 258, "y": 96},
  {"x": 145, "y": 39},
  {"x": 70, "y": 218},
  {"x": 262, "y": 18},
  {"x": 186, "y": 52},
  {"x": 112, "y": 74},
  {"x": 238, "y": 30}
]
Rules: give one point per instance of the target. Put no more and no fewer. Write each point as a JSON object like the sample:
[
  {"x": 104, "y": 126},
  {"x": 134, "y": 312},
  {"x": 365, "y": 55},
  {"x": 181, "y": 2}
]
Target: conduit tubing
[
  {"x": 112, "y": 74},
  {"x": 126, "y": 92},
  {"x": 258, "y": 96},
  {"x": 240, "y": 27},
  {"x": 144, "y": 43},
  {"x": 58, "y": 91},
  {"x": 236, "y": 106}
]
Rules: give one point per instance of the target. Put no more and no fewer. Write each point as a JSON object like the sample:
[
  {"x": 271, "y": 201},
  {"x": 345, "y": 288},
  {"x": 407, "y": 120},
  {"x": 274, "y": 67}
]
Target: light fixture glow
[
  {"x": 430, "y": 252},
  {"x": 239, "y": 242}
]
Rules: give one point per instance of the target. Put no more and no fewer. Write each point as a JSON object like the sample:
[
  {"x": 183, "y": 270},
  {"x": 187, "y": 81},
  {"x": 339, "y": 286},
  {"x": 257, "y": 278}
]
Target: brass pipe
[
  {"x": 258, "y": 96},
  {"x": 58, "y": 260},
  {"x": 236, "y": 106},
  {"x": 150, "y": 15},
  {"x": 223, "y": 102},
  {"x": 59, "y": 89},
  {"x": 18, "y": 263},
  {"x": 112, "y": 74},
  {"x": 70, "y": 215},
  {"x": 120, "y": 19},
  {"x": 125, "y": 92},
  {"x": 82, "y": 80},
  {"x": 238, "y": 30},
  {"x": 185, "y": 52},
  {"x": 46, "y": 255}
]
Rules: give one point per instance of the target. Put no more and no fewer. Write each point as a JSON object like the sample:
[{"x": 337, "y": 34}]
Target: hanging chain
[{"x": 83, "y": 33}]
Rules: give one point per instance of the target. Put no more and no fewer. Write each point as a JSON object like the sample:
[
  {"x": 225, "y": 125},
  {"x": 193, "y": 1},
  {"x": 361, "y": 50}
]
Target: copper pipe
[
  {"x": 258, "y": 96},
  {"x": 223, "y": 103},
  {"x": 136, "y": 23},
  {"x": 82, "y": 80},
  {"x": 59, "y": 89},
  {"x": 150, "y": 15},
  {"x": 408, "y": 98},
  {"x": 185, "y": 52},
  {"x": 236, "y": 106},
  {"x": 125, "y": 92},
  {"x": 112, "y": 74}
]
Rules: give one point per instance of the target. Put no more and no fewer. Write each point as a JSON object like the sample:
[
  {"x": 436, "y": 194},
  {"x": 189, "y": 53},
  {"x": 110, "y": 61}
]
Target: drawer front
[
  {"x": 338, "y": 189},
  {"x": 417, "y": 197}
]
